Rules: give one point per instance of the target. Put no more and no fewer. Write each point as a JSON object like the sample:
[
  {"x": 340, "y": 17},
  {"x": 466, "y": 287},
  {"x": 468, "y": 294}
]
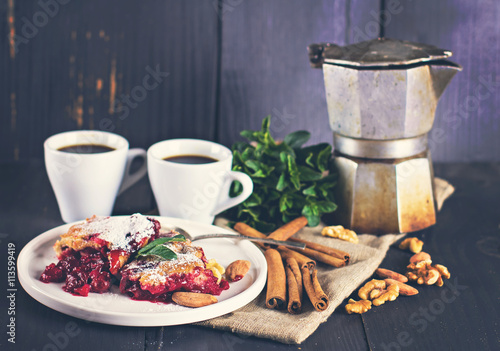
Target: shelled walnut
[
  {"x": 374, "y": 284},
  {"x": 389, "y": 294},
  {"x": 413, "y": 244},
  {"x": 360, "y": 306},
  {"x": 339, "y": 232},
  {"x": 425, "y": 273},
  {"x": 379, "y": 292}
]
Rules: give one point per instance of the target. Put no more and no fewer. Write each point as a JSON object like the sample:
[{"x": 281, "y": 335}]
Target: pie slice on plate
[
  {"x": 91, "y": 252},
  {"x": 155, "y": 279}
]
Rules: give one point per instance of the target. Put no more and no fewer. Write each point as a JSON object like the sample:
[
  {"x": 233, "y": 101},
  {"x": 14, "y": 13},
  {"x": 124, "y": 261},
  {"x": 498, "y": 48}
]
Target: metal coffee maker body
[{"x": 382, "y": 96}]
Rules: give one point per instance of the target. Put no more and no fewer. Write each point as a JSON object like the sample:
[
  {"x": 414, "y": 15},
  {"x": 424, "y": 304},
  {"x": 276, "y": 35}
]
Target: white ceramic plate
[{"x": 118, "y": 309}]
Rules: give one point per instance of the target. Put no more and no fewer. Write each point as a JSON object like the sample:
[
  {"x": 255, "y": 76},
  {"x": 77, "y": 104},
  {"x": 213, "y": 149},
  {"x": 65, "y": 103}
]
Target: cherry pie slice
[
  {"x": 92, "y": 251},
  {"x": 155, "y": 279}
]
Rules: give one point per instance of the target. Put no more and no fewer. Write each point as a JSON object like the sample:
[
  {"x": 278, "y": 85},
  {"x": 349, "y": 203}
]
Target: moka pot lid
[{"x": 375, "y": 53}]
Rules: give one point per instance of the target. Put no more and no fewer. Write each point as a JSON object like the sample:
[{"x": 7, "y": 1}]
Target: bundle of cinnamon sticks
[{"x": 290, "y": 271}]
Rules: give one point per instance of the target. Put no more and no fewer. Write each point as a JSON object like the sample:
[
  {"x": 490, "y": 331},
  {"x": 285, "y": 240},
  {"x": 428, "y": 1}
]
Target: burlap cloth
[{"x": 257, "y": 320}]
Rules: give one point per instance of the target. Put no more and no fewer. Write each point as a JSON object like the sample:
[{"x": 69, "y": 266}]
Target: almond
[
  {"x": 191, "y": 299},
  {"x": 237, "y": 270},
  {"x": 386, "y": 273},
  {"x": 404, "y": 289}
]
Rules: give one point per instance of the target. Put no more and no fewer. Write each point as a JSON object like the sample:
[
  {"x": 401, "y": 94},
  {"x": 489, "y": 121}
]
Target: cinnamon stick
[
  {"x": 287, "y": 230},
  {"x": 276, "y": 280},
  {"x": 325, "y": 249},
  {"x": 313, "y": 289},
  {"x": 302, "y": 260},
  {"x": 294, "y": 286},
  {"x": 294, "y": 266},
  {"x": 245, "y": 229},
  {"x": 323, "y": 257}
]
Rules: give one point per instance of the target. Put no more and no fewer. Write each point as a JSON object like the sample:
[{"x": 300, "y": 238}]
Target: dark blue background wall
[{"x": 225, "y": 64}]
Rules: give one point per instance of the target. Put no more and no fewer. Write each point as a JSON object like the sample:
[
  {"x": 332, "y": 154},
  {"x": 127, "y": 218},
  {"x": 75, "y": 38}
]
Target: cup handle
[
  {"x": 131, "y": 179},
  {"x": 228, "y": 202}
]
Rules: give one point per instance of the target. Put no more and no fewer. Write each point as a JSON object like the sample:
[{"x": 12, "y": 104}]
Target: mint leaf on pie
[
  {"x": 162, "y": 252},
  {"x": 156, "y": 248}
]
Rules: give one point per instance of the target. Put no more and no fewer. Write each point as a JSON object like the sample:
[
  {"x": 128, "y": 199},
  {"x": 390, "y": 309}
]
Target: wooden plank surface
[
  {"x": 72, "y": 70},
  {"x": 460, "y": 315},
  {"x": 88, "y": 67},
  {"x": 265, "y": 66},
  {"x": 28, "y": 208},
  {"x": 467, "y": 121}
]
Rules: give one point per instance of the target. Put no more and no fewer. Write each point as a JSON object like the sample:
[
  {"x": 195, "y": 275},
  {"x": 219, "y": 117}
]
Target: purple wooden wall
[
  {"x": 467, "y": 125},
  {"x": 227, "y": 64}
]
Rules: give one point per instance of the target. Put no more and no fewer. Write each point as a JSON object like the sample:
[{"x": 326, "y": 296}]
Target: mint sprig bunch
[
  {"x": 156, "y": 248},
  {"x": 289, "y": 180}
]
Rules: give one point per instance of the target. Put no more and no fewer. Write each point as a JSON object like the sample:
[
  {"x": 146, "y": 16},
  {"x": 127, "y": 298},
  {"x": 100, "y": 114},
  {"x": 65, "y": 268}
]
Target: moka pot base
[{"x": 387, "y": 194}]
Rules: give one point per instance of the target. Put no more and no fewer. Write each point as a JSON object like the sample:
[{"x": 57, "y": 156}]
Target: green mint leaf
[
  {"x": 248, "y": 154},
  {"x": 236, "y": 189},
  {"x": 252, "y": 212},
  {"x": 311, "y": 191},
  {"x": 284, "y": 203},
  {"x": 311, "y": 212},
  {"x": 289, "y": 179},
  {"x": 308, "y": 174},
  {"x": 309, "y": 160},
  {"x": 162, "y": 252},
  {"x": 250, "y": 135},
  {"x": 326, "y": 206},
  {"x": 293, "y": 172},
  {"x": 324, "y": 158},
  {"x": 158, "y": 242},
  {"x": 297, "y": 139},
  {"x": 178, "y": 237},
  {"x": 266, "y": 123},
  {"x": 273, "y": 195},
  {"x": 281, "y": 182},
  {"x": 253, "y": 200},
  {"x": 252, "y": 164},
  {"x": 313, "y": 221},
  {"x": 283, "y": 157},
  {"x": 240, "y": 146}
]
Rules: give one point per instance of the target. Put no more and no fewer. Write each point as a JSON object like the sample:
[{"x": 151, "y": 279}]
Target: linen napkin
[{"x": 338, "y": 283}]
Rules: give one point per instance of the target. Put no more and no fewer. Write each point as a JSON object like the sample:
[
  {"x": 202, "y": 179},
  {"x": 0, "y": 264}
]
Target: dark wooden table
[{"x": 462, "y": 315}]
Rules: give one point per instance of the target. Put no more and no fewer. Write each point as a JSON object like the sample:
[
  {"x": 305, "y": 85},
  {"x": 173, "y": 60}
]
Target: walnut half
[{"x": 360, "y": 306}]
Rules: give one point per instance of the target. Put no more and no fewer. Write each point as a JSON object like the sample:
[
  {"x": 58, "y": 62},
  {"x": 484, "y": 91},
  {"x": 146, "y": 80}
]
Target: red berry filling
[
  {"x": 199, "y": 280},
  {"x": 83, "y": 272},
  {"x": 238, "y": 277},
  {"x": 89, "y": 270}
]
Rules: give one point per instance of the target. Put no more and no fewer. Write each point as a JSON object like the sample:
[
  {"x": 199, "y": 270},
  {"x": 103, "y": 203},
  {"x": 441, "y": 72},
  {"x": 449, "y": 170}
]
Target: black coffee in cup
[
  {"x": 191, "y": 159},
  {"x": 86, "y": 149}
]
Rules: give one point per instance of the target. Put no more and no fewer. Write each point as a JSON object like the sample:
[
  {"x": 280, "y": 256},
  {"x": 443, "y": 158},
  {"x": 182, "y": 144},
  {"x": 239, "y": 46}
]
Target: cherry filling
[
  {"x": 237, "y": 277},
  {"x": 83, "y": 271},
  {"x": 199, "y": 280},
  {"x": 89, "y": 270}
]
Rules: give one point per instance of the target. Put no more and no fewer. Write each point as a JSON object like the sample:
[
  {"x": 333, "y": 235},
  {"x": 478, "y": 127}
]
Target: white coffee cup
[
  {"x": 88, "y": 183},
  {"x": 194, "y": 191}
]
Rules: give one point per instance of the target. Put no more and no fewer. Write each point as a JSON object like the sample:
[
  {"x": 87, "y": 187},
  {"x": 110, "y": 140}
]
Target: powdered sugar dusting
[
  {"x": 187, "y": 257},
  {"x": 121, "y": 231}
]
